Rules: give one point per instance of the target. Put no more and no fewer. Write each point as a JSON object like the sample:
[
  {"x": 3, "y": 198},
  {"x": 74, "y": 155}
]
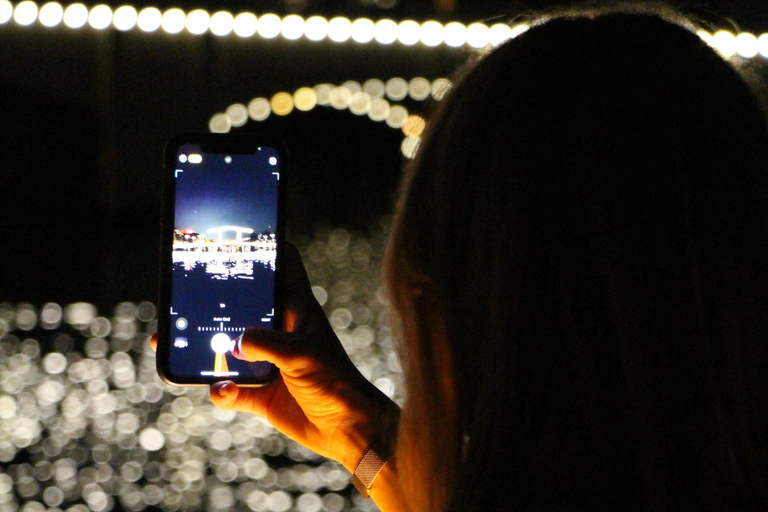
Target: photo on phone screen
[{"x": 221, "y": 240}]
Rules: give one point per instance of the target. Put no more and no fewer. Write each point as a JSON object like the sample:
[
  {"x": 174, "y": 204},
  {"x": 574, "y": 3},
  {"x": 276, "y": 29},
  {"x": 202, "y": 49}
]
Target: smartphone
[{"x": 221, "y": 266}]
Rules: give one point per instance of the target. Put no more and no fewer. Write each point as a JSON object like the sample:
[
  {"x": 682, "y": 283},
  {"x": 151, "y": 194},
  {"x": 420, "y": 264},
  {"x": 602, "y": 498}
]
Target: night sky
[{"x": 213, "y": 193}]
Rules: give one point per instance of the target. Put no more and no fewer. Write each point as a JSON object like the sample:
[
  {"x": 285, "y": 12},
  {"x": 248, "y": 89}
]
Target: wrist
[{"x": 377, "y": 430}]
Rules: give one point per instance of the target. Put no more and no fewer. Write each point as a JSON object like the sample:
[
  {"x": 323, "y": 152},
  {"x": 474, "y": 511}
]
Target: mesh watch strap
[{"x": 367, "y": 470}]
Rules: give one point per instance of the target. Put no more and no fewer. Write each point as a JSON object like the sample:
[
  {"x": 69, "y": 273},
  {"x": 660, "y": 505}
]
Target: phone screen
[{"x": 223, "y": 260}]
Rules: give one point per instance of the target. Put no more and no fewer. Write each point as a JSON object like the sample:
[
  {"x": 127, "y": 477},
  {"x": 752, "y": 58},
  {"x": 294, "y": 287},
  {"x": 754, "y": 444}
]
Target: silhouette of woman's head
[{"x": 577, "y": 274}]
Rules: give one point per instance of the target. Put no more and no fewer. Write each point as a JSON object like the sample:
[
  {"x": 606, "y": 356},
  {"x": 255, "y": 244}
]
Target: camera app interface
[{"x": 224, "y": 243}]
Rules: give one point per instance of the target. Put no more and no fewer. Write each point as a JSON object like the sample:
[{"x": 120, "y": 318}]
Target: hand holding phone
[{"x": 221, "y": 255}]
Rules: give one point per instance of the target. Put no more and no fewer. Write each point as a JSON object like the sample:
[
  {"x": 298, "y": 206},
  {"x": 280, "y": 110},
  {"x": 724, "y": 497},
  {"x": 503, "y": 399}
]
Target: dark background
[{"x": 84, "y": 115}]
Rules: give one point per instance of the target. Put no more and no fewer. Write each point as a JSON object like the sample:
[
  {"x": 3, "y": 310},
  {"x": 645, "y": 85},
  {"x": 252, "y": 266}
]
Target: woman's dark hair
[{"x": 578, "y": 274}]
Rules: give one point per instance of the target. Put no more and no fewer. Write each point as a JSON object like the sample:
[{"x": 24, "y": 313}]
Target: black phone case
[{"x": 212, "y": 143}]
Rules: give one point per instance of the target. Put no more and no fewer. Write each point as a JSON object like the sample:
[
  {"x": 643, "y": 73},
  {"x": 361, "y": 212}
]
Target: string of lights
[
  {"x": 373, "y": 98},
  {"x": 314, "y": 29}
]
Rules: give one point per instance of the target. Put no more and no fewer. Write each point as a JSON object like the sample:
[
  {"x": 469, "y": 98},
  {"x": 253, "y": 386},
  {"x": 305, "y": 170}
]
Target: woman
[{"x": 577, "y": 276}]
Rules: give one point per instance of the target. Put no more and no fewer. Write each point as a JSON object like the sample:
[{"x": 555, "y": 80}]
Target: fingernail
[
  {"x": 236, "y": 347},
  {"x": 225, "y": 389}
]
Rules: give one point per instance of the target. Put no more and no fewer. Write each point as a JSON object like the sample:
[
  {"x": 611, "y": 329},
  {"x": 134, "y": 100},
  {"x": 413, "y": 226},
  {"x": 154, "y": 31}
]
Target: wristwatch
[{"x": 369, "y": 467}]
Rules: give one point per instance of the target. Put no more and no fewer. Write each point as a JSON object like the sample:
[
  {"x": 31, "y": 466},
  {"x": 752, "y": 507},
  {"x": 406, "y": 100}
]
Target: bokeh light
[
  {"x": 725, "y": 43},
  {"x": 220, "y": 123},
  {"x": 173, "y": 21},
  {"x": 340, "y": 97},
  {"x": 359, "y": 103},
  {"x": 316, "y": 28},
  {"x": 385, "y": 31},
  {"x": 282, "y": 103},
  {"x": 455, "y": 34},
  {"x": 498, "y": 33},
  {"x": 222, "y": 23},
  {"x": 410, "y": 146},
  {"x": 269, "y": 26},
  {"x": 419, "y": 88},
  {"x": 305, "y": 99},
  {"x": 259, "y": 109},
  {"x": 238, "y": 114},
  {"x": 149, "y": 19},
  {"x": 478, "y": 35},
  {"x": 746, "y": 45},
  {"x": 292, "y": 27},
  {"x": 245, "y": 24},
  {"x": 25, "y": 12},
  {"x": 397, "y": 116},
  {"x": 125, "y": 18},
  {"x": 100, "y": 17},
  {"x": 363, "y": 30},
  {"x": 396, "y": 89},
  {"x": 198, "y": 21},
  {"x": 379, "y": 109},
  {"x": 440, "y": 87},
  {"x": 6, "y": 11},
  {"x": 339, "y": 29},
  {"x": 408, "y": 32},
  {"x": 762, "y": 45},
  {"x": 414, "y": 125},
  {"x": 432, "y": 33}
]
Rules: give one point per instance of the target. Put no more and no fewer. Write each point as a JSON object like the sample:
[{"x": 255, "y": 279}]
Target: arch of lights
[
  {"x": 373, "y": 98},
  {"x": 313, "y": 29}
]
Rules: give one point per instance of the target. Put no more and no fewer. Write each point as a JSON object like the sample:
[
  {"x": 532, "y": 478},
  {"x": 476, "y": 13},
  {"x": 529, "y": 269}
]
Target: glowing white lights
[
  {"x": 220, "y": 123},
  {"x": 432, "y": 33},
  {"x": 269, "y": 26},
  {"x": 305, "y": 99},
  {"x": 499, "y": 33},
  {"x": 75, "y": 15},
  {"x": 374, "y": 88},
  {"x": 198, "y": 21},
  {"x": 51, "y": 14},
  {"x": 259, "y": 109},
  {"x": 238, "y": 114},
  {"x": 222, "y": 23},
  {"x": 173, "y": 21},
  {"x": 396, "y": 89},
  {"x": 408, "y": 32},
  {"x": 6, "y": 11},
  {"x": 746, "y": 45},
  {"x": 725, "y": 43},
  {"x": 100, "y": 17},
  {"x": 339, "y": 29},
  {"x": 359, "y": 103},
  {"x": 292, "y": 27},
  {"x": 25, "y": 13},
  {"x": 125, "y": 18},
  {"x": 419, "y": 88},
  {"x": 455, "y": 34},
  {"x": 315, "y": 28},
  {"x": 385, "y": 31},
  {"x": 363, "y": 30},
  {"x": 478, "y": 35},
  {"x": 245, "y": 24},
  {"x": 149, "y": 19}
]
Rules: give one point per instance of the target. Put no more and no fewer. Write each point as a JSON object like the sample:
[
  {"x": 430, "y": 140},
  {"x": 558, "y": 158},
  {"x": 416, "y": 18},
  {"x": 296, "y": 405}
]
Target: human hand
[{"x": 319, "y": 399}]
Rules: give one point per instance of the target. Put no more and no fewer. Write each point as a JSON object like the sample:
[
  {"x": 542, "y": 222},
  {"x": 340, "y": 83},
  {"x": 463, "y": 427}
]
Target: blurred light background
[{"x": 89, "y": 93}]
